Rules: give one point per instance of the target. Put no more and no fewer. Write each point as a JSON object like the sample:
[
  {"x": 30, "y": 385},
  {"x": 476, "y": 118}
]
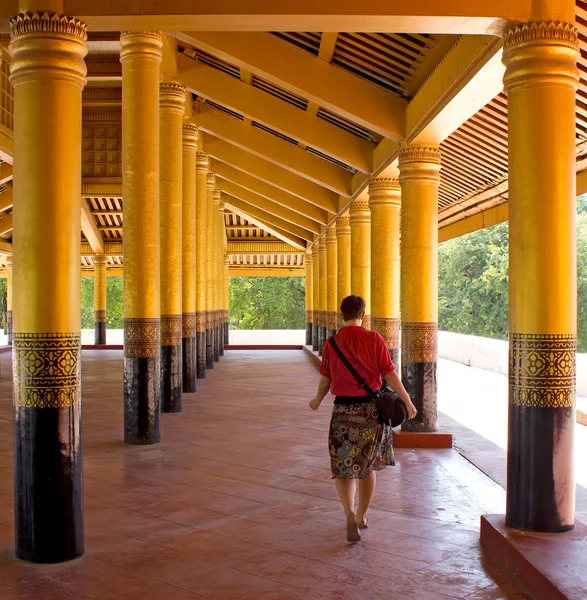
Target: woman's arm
[
  {"x": 323, "y": 387},
  {"x": 395, "y": 383}
]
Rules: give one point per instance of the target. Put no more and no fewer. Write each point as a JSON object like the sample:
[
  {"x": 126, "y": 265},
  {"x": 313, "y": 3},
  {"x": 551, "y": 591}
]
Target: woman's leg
[
  {"x": 347, "y": 489},
  {"x": 366, "y": 489}
]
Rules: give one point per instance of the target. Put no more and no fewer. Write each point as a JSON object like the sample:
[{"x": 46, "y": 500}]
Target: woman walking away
[{"x": 359, "y": 444}]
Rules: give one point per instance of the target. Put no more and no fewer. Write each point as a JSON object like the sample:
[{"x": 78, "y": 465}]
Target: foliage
[
  {"x": 473, "y": 281},
  {"x": 114, "y": 315},
  {"x": 267, "y": 303}
]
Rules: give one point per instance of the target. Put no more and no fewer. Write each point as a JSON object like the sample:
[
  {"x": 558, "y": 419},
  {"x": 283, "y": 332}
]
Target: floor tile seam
[
  {"x": 463, "y": 487},
  {"x": 461, "y": 573}
]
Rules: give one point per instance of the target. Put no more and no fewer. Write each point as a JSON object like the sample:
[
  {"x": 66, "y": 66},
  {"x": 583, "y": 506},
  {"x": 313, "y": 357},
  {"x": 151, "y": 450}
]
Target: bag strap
[{"x": 345, "y": 361}]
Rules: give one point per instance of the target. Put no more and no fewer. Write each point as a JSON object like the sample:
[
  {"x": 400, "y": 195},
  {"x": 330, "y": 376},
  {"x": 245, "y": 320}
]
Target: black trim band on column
[
  {"x": 308, "y": 334},
  {"x": 201, "y": 355},
  {"x": 171, "y": 379},
  {"x": 100, "y": 333},
  {"x": 226, "y": 333},
  {"x": 209, "y": 348},
  {"x": 419, "y": 379},
  {"x": 216, "y": 334},
  {"x": 189, "y": 372},
  {"x": 142, "y": 407},
  {"x": 315, "y": 335},
  {"x": 394, "y": 354},
  {"x": 220, "y": 333}
]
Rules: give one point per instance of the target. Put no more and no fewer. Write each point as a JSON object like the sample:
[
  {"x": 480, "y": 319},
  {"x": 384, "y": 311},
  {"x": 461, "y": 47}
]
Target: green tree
[
  {"x": 114, "y": 307},
  {"x": 267, "y": 303}
]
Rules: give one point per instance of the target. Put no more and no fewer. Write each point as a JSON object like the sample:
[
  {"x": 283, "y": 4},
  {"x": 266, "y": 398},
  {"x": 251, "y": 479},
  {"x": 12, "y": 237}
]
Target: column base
[
  {"x": 142, "y": 405},
  {"x": 226, "y": 333},
  {"x": 48, "y": 509},
  {"x": 308, "y": 334},
  {"x": 322, "y": 333},
  {"x": 435, "y": 440},
  {"x": 220, "y": 340},
  {"x": 419, "y": 379},
  {"x": 315, "y": 337},
  {"x": 201, "y": 355},
  {"x": 188, "y": 347},
  {"x": 100, "y": 333},
  {"x": 9, "y": 333},
  {"x": 209, "y": 348},
  {"x": 330, "y": 333},
  {"x": 171, "y": 379},
  {"x": 394, "y": 354}
]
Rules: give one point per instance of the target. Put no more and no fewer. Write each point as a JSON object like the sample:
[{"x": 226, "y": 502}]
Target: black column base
[
  {"x": 419, "y": 379},
  {"x": 308, "y": 334},
  {"x": 171, "y": 379},
  {"x": 220, "y": 330},
  {"x": 321, "y": 338},
  {"x": 216, "y": 334},
  {"x": 226, "y": 333},
  {"x": 100, "y": 333},
  {"x": 315, "y": 337},
  {"x": 394, "y": 354},
  {"x": 533, "y": 492},
  {"x": 48, "y": 491},
  {"x": 142, "y": 405},
  {"x": 188, "y": 347},
  {"x": 209, "y": 348},
  {"x": 201, "y": 355},
  {"x": 330, "y": 333}
]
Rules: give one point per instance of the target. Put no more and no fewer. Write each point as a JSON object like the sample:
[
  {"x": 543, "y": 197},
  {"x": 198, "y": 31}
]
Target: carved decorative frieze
[{"x": 142, "y": 338}]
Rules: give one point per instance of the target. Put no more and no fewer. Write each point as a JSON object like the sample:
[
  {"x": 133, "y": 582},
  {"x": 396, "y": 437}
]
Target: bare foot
[
  {"x": 352, "y": 530},
  {"x": 362, "y": 521}
]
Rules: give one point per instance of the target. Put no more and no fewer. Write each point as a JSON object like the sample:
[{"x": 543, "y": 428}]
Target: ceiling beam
[
  {"x": 259, "y": 106},
  {"x": 90, "y": 229},
  {"x": 449, "y": 16},
  {"x": 299, "y": 72},
  {"x": 252, "y": 246},
  {"x": 264, "y": 221},
  {"x": 5, "y": 224},
  {"x": 270, "y": 173},
  {"x": 270, "y": 192},
  {"x": 104, "y": 68},
  {"x": 6, "y": 199},
  {"x": 327, "y": 46},
  {"x": 5, "y": 173},
  {"x": 275, "y": 150},
  {"x": 268, "y": 206}
]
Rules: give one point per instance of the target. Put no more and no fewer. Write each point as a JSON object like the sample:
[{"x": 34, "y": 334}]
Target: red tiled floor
[{"x": 237, "y": 502}]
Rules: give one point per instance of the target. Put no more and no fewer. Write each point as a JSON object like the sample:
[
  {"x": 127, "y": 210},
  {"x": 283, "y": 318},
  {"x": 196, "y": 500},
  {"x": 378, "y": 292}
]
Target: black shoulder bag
[{"x": 390, "y": 407}]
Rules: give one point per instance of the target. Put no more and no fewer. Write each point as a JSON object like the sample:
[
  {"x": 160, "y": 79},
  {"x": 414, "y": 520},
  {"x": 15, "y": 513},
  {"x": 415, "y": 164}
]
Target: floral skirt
[{"x": 357, "y": 441}]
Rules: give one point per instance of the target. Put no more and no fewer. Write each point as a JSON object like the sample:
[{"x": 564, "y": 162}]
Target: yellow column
[
  {"x": 226, "y": 299},
  {"x": 48, "y": 74},
  {"x": 323, "y": 305},
  {"x": 316, "y": 318},
  {"x": 308, "y": 263},
  {"x": 100, "y": 262},
  {"x": 171, "y": 109},
  {"x": 140, "y": 56},
  {"x": 189, "y": 260},
  {"x": 220, "y": 276},
  {"x": 9, "y": 299},
  {"x": 419, "y": 178},
  {"x": 201, "y": 256},
  {"x": 360, "y": 221},
  {"x": 541, "y": 79},
  {"x": 332, "y": 288},
  {"x": 385, "y": 202},
  {"x": 210, "y": 251},
  {"x": 343, "y": 262},
  {"x": 214, "y": 265}
]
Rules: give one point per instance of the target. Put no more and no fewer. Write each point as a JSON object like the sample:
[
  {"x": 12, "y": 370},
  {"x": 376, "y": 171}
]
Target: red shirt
[{"x": 366, "y": 351}]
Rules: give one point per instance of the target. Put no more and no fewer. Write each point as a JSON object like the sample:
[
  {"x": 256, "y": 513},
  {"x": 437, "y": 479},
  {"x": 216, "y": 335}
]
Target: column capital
[
  {"x": 172, "y": 96},
  {"x": 343, "y": 225},
  {"x": 210, "y": 180},
  {"x": 384, "y": 191},
  {"x": 309, "y": 257},
  {"x": 359, "y": 211},
  {"x": 226, "y": 260},
  {"x": 202, "y": 161},
  {"x": 221, "y": 205},
  {"x": 190, "y": 135},
  {"x": 47, "y": 46},
  {"x": 419, "y": 163},
  {"x": 146, "y": 44},
  {"x": 321, "y": 243},
  {"x": 100, "y": 259},
  {"x": 331, "y": 235},
  {"x": 541, "y": 53},
  {"x": 216, "y": 195}
]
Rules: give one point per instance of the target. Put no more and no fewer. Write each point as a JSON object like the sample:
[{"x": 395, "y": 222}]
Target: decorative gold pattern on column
[
  {"x": 542, "y": 370},
  {"x": 188, "y": 325},
  {"x": 419, "y": 342},
  {"x": 171, "y": 330},
  {"x": 142, "y": 338},
  {"x": 46, "y": 370},
  {"x": 201, "y": 321},
  {"x": 388, "y": 329},
  {"x": 100, "y": 316},
  {"x": 47, "y": 22}
]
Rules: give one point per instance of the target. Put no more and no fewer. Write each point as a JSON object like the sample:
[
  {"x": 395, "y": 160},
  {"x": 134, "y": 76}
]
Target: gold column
[
  {"x": 48, "y": 74},
  {"x": 541, "y": 79},
  {"x": 9, "y": 299},
  {"x": 332, "y": 288},
  {"x": 210, "y": 251},
  {"x": 189, "y": 258},
  {"x": 140, "y": 56},
  {"x": 360, "y": 221},
  {"x": 316, "y": 319},
  {"x": 419, "y": 179},
  {"x": 100, "y": 262},
  {"x": 385, "y": 202},
  {"x": 201, "y": 256},
  {"x": 343, "y": 262},
  {"x": 171, "y": 109},
  {"x": 226, "y": 299},
  {"x": 308, "y": 263},
  {"x": 323, "y": 301},
  {"x": 215, "y": 272},
  {"x": 220, "y": 276}
]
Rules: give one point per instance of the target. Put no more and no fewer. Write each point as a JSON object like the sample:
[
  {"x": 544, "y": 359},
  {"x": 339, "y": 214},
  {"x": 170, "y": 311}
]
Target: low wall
[{"x": 492, "y": 355}]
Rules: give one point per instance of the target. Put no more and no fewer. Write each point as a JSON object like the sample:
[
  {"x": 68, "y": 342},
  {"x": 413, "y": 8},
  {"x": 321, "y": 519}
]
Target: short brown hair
[{"x": 352, "y": 307}]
